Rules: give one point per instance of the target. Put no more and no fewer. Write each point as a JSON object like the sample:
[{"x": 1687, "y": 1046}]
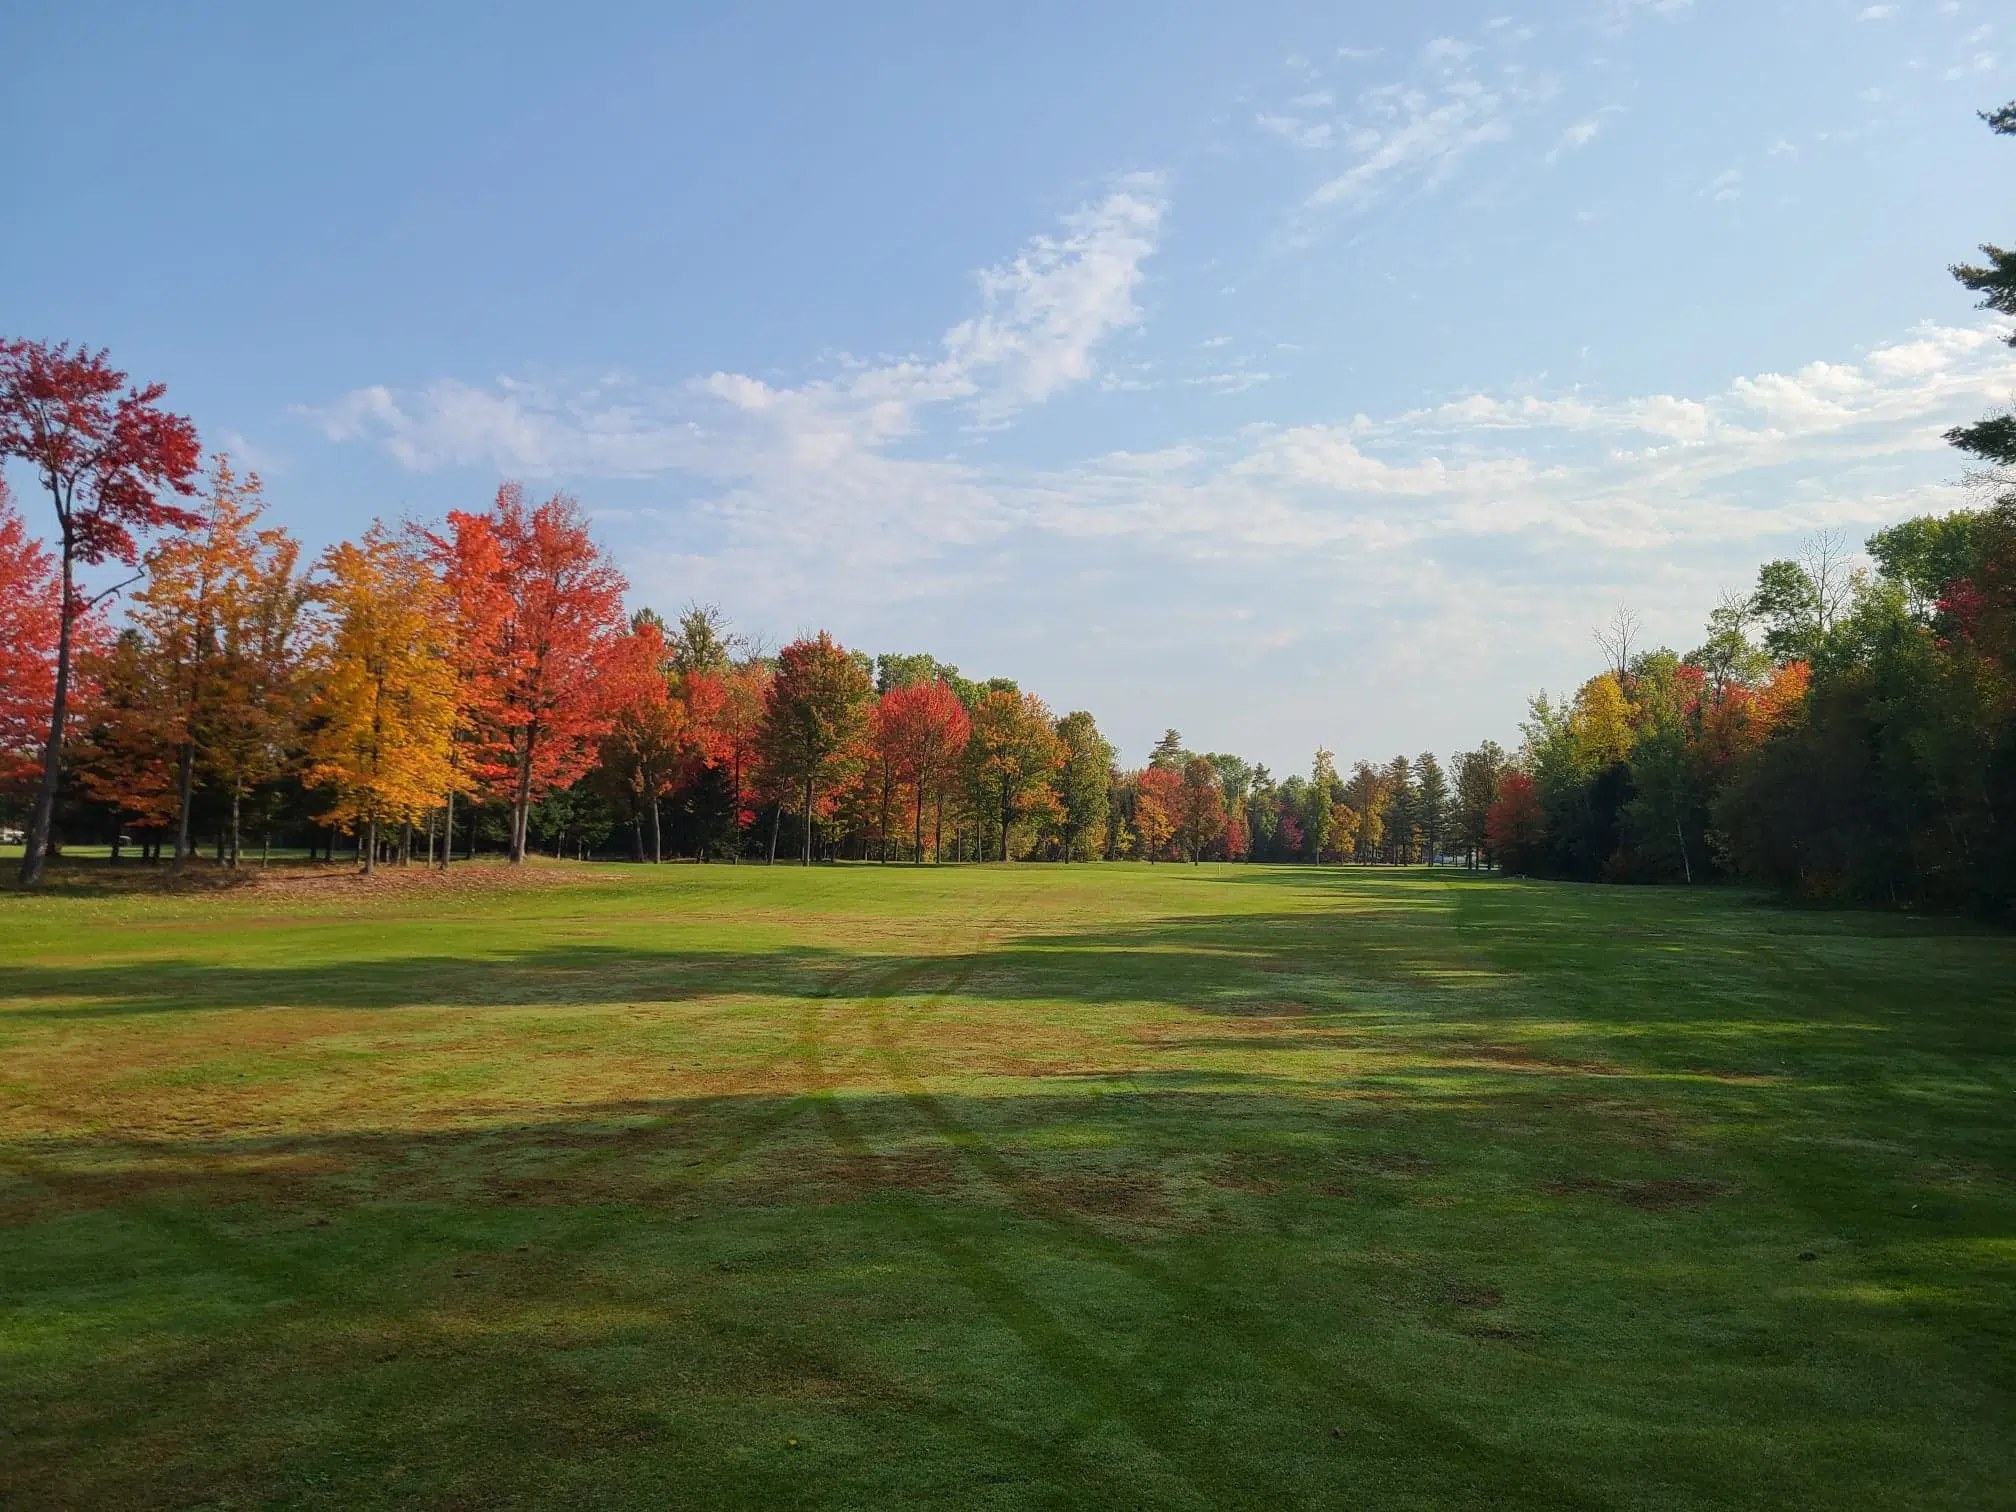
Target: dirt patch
[
  {"x": 1652, "y": 1195},
  {"x": 341, "y": 880}
]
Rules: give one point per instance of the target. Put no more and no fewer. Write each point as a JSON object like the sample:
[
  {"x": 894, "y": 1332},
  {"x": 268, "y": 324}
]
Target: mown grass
[{"x": 1001, "y": 1187}]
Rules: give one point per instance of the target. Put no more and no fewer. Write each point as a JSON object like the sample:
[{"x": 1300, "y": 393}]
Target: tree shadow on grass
[{"x": 1237, "y": 1245}]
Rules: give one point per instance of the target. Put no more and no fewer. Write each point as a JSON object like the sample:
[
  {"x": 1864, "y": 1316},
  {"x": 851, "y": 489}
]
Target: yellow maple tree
[{"x": 385, "y": 710}]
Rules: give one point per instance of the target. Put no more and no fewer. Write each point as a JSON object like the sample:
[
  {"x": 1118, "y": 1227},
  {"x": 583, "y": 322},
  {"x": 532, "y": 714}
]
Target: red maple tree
[
  {"x": 111, "y": 463},
  {"x": 923, "y": 728},
  {"x": 31, "y": 613},
  {"x": 542, "y": 696}
]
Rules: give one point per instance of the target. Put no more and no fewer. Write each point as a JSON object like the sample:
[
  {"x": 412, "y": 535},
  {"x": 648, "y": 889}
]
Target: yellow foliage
[
  {"x": 1341, "y": 835},
  {"x": 386, "y": 711},
  {"x": 1602, "y": 723}
]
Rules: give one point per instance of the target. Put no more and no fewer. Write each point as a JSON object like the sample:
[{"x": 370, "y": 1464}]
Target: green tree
[
  {"x": 1992, "y": 439},
  {"x": 1431, "y": 804},
  {"x": 1478, "y": 774},
  {"x": 1082, "y": 782}
]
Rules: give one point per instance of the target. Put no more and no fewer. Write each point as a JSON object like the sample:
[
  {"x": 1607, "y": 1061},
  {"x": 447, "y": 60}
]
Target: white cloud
[
  {"x": 1516, "y": 513},
  {"x": 1456, "y": 96},
  {"x": 1043, "y": 314},
  {"x": 1617, "y": 15},
  {"x": 1576, "y": 137},
  {"x": 1877, "y": 13},
  {"x": 1726, "y": 185}
]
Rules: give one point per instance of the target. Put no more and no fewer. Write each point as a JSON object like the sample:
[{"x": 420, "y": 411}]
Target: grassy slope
[{"x": 1002, "y": 1187}]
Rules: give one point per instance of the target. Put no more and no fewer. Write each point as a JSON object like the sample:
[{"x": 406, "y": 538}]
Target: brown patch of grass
[{"x": 1651, "y": 1195}]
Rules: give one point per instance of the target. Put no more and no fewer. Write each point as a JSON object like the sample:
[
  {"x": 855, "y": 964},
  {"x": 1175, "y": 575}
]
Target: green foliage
[
  {"x": 1083, "y": 782},
  {"x": 1923, "y": 555}
]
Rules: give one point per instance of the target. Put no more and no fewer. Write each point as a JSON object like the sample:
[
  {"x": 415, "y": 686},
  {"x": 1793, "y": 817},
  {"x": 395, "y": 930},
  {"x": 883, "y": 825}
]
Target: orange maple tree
[{"x": 545, "y": 614}]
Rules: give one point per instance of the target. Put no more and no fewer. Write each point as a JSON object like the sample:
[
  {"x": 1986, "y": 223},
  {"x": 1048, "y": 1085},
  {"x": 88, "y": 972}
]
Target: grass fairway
[{"x": 1104, "y": 1187}]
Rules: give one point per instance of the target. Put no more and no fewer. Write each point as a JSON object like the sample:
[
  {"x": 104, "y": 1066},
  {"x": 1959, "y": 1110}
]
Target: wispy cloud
[
  {"x": 1618, "y": 15},
  {"x": 1043, "y": 314},
  {"x": 1576, "y": 137},
  {"x": 1415, "y": 131}
]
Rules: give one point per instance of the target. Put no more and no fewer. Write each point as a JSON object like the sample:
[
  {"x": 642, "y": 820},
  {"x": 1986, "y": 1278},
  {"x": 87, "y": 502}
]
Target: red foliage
[
  {"x": 104, "y": 456},
  {"x": 544, "y": 610},
  {"x": 921, "y": 729},
  {"x": 1238, "y": 839},
  {"x": 1959, "y": 610},
  {"x": 106, "y": 459},
  {"x": 1515, "y": 825},
  {"x": 30, "y": 616}
]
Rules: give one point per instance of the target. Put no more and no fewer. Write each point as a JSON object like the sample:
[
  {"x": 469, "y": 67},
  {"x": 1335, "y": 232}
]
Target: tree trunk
[
  {"x": 52, "y": 748},
  {"x": 808, "y": 818},
  {"x": 776, "y": 821},
  {"x": 657, "y": 833},
  {"x": 236, "y": 832},
  {"x": 521, "y": 805},
  {"x": 918, "y": 858},
  {"x": 115, "y": 839},
  {"x": 185, "y": 783},
  {"x": 266, "y": 848},
  {"x": 370, "y": 847},
  {"x": 448, "y": 832},
  {"x": 406, "y": 844}
]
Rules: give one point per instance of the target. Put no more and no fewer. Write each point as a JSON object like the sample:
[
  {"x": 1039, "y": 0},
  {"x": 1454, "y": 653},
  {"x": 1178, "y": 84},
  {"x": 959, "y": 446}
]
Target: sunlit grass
[{"x": 1107, "y": 1186}]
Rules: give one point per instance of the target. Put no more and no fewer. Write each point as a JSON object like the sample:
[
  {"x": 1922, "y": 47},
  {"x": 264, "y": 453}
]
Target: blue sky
[{"x": 1289, "y": 374}]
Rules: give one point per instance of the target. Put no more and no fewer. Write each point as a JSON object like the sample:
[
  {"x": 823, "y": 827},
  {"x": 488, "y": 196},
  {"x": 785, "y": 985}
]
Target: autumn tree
[
  {"x": 111, "y": 464},
  {"x": 815, "y": 716},
  {"x": 468, "y": 559},
  {"x": 737, "y": 725},
  {"x": 646, "y": 747},
  {"x": 924, "y": 727},
  {"x": 1516, "y": 828},
  {"x": 1158, "y": 806},
  {"x": 218, "y": 617},
  {"x": 1011, "y": 754},
  {"x": 1083, "y": 778},
  {"x": 1200, "y": 819},
  {"x": 384, "y": 715},
  {"x": 125, "y": 759},
  {"x": 31, "y": 614},
  {"x": 542, "y": 701}
]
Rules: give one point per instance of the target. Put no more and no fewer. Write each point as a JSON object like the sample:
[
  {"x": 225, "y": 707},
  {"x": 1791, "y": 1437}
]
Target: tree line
[
  {"x": 1842, "y": 732},
  {"x": 433, "y": 688}
]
